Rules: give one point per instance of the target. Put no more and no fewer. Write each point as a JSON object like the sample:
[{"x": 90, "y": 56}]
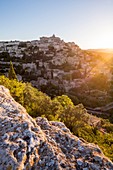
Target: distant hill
[{"x": 106, "y": 50}]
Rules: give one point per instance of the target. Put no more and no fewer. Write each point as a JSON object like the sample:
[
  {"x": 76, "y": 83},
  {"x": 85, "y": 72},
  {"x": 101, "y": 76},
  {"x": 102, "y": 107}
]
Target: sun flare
[{"x": 105, "y": 40}]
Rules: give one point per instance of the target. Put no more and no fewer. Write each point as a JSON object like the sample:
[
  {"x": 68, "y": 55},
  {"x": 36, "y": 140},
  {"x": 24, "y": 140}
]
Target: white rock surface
[{"x": 28, "y": 144}]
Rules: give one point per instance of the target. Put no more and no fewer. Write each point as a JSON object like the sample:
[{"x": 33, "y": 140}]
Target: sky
[{"x": 88, "y": 23}]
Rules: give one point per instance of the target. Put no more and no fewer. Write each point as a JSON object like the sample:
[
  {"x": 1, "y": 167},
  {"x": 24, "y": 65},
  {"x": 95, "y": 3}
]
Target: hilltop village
[{"x": 52, "y": 62}]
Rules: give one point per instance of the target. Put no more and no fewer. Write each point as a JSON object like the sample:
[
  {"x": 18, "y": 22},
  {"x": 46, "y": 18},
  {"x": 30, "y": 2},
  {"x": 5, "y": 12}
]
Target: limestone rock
[{"x": 28, "y": 144}]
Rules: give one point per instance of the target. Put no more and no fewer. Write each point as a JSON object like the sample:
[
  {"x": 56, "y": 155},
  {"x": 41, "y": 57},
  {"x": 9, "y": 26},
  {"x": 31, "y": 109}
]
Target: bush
[
  {"x": 61, "y": 108},
  {"x": 16, "y": 88}
]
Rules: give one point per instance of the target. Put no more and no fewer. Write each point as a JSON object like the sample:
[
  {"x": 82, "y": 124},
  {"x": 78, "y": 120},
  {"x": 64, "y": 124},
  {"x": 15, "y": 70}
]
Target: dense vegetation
[{"x": 61, "y": 108}]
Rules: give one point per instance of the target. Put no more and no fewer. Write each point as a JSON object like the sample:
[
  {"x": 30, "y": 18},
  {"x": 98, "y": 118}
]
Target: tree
[
  {"x": 11, "y": 73},
  {"x": 64, "y": 100},
  {"x": 36, "y": 102},
  {"x": 16, "y": 88},
  {"x": 74, "y": 117}
]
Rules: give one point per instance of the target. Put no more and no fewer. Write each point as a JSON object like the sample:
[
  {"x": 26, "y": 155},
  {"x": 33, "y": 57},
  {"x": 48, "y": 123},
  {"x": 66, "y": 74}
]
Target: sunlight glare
[{"x": 105, "y": 40}]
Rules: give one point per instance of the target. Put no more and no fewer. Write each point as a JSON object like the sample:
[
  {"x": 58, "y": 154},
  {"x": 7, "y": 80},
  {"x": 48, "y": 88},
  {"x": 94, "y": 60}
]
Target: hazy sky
[{"x": 89, "y": 23}]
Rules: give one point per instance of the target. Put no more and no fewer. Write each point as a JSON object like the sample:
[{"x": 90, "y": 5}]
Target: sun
[
  {"x": 106, "y": 42},
  {"x": 105, "y": 39}
]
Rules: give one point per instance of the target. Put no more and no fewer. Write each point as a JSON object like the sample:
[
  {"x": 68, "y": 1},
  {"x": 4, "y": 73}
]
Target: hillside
[
  {"x": 57, "y": 67},
  {"x": 26, "y": 143},
  {"x": 61, "y": 108},
  {"x": 106, "y": 50}
]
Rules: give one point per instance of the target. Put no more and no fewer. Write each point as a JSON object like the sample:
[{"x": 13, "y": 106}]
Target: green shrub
[{"x": 61, "y": 108}]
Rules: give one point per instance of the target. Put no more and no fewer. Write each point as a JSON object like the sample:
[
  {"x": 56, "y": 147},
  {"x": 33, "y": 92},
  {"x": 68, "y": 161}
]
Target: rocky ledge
[{"x": 28, "y": 144}]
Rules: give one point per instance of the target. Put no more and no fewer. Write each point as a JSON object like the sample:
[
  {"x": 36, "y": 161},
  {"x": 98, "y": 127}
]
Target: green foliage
[
  {"x": 16, "y": 88},
  {"x": 36, "y": 102},
  {"x": 51, "y": 48},
  {"x": 64, "y": 100},
  {"x": 61, "y": 108},
  {"x": 11, "y": 73},
  {"x": 99, "y": 81},
  {"x": 5, "y": 56},
  {"x": 107, "y": 126},
  {"x": 52, "y": 90},
  {"x": 74, "y": 117},
  {"x": 103, "y": 139},
  {"x": 22, "y": 45},
  {"x": 86, "y": 133}
]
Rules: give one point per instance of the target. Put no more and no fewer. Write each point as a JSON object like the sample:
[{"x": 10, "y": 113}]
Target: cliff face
[{"x": 26, "y": 143}]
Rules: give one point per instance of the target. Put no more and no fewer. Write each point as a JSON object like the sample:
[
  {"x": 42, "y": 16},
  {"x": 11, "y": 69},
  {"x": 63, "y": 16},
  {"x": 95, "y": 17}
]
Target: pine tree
[{"x": 11, "y": 73}]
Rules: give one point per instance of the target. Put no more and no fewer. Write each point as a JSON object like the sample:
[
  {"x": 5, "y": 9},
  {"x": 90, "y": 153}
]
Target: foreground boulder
[{"x": 28, "y": 144}]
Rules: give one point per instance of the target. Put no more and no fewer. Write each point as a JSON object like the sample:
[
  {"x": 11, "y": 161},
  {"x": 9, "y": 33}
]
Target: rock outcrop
[{"x": 28, "y": 144}]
